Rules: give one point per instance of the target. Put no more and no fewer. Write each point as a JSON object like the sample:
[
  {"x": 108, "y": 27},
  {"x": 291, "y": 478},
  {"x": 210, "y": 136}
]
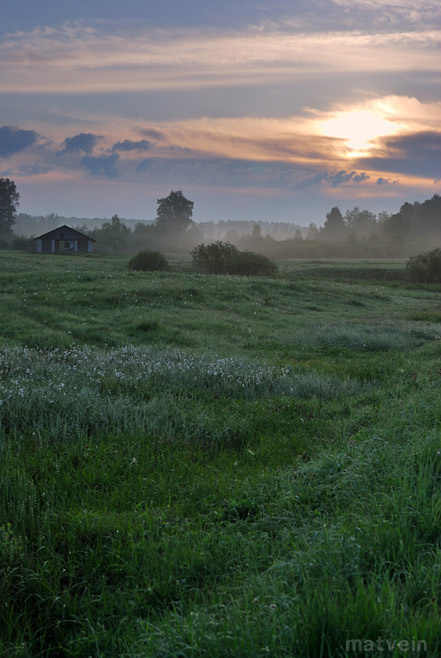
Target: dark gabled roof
[{"x": 44, "y": 235}]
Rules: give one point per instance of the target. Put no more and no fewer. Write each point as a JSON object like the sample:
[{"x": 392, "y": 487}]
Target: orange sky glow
[{"x": 280, "y": 108}]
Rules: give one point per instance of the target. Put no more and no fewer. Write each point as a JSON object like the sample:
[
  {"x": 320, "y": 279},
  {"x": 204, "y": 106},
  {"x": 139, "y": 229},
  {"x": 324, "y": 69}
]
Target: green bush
[
  {"x": 213, "y": 258},
  {"x": 425, "y": 267},
  {"x": 224, "y": 258},
  {"x": 148, "y": 261},
  {"x": 249, "y": 263}
]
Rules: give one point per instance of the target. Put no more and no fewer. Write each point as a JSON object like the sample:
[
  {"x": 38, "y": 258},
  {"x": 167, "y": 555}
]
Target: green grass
[{"x": 201, "y": 466}]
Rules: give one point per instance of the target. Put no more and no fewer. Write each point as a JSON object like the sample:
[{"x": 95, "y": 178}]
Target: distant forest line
[{"x": 356, "y": 234}]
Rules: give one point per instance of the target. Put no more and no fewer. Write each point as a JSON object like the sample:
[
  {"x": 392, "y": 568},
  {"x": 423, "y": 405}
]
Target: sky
[{"x": 261, "y": 110}]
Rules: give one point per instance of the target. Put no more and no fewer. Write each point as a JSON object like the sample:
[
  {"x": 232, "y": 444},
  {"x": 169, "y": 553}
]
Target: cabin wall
[{"x": 63, "y": 240}]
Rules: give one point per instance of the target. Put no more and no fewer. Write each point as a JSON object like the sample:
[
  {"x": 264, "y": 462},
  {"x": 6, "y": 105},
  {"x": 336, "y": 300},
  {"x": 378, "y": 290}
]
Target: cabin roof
[{"x": 54, "y": 230}]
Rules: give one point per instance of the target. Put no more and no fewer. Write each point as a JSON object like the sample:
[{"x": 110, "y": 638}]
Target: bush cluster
[
  {"x": 148, "y": 261},
  {"x": 425, "y": 267},
  {"x": 224, "y": 258}
]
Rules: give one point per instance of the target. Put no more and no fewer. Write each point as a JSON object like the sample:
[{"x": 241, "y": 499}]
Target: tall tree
[
  {"x": 334, "y": 226},
  {"x": 175, "y": 212},
  {"x": 9, "y": 199},
  {"x": 256, "y": 233},
  {"x": 360, "y": 222},
  {"x": 313, "y": 232}
]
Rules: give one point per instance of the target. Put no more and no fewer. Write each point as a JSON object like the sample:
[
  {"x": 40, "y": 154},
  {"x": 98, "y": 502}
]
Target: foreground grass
[{"x": 257, "y": 474}]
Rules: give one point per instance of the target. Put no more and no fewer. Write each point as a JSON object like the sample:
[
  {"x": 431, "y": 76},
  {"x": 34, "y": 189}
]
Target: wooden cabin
[{"x": 63, "y": 240}]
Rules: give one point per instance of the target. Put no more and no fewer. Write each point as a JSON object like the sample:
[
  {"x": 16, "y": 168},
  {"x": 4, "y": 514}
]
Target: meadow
[{"x": 211, "y": 466}]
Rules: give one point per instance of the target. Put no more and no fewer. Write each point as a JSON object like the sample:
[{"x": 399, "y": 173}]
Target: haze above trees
[{"x": 356, "y": 233}]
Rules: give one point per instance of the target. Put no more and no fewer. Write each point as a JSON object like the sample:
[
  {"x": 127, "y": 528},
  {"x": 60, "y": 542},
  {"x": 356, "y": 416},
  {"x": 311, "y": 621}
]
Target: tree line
[{"x": 357, "y": 233}]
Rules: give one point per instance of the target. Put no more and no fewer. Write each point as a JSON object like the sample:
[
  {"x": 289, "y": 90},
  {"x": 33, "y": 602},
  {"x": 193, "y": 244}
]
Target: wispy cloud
[
  {"x": 335, "y": 179},
  {"x": 79, "y": 58},
  {"x": 133, "y": 145},
  {"x": 411, "y": 9}
]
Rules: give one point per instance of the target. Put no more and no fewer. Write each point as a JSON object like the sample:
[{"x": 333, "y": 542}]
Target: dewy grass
[
  {"x": 371, "y": 337},
  {"x": 76, "y": 391},
  {"x": 234, "y": 467}
]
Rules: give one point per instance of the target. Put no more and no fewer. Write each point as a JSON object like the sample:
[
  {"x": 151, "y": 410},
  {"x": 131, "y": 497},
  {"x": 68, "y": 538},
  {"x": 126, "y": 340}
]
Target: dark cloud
[
  {"x": 84, "y": 142},
  {"x": 359, "y": 178},
  {"x": 335, "y": 180},
  {"x": 13, "y": 140},
  {"x": 130, "y": 145},
  {"x": 177, "y": 149},
  {"x": 153, "y": 133},
  {"x": 102, "y": 164},
  {"x": 385, "y": 181},
  {"x": 417, "y": 154}
]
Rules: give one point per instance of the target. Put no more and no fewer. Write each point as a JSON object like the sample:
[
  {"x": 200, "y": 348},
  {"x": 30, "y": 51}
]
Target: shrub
[
  {"x": 249, "y": 263},
  {"x": 148, "y": 261},
  {"x": 214, "y": 258},
  {"x": 425, "y": 267},
  {"x": 224, "y": 258}
]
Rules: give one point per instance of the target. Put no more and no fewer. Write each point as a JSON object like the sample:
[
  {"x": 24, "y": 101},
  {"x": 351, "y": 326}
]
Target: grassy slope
[{"x": 283, "y": 527}]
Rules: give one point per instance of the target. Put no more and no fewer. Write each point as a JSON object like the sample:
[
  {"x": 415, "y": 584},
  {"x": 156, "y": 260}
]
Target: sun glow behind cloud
[
  {"x": 359, "y": 130},
  {"x": 228, "y": 105}
]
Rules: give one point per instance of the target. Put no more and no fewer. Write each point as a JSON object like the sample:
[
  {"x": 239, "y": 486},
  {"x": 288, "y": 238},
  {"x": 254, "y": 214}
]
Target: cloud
[
  {"x": 214, "y": 171},
  {"x": 335, "y": 180},
  {"x": 33, "y": 169},
  {"x": 385, "y": 181},
  {"x": 130, "y": 145},
  {"x": 102, "y": 164},
  {"x": 359, "y": 178},
  {"x": 391, "y": 13},
  {"x": 289, "y": 139},
  {"x": 416, "y": 154},
  {"x": 84, "y": 142},
  {"x": 418, "y": 144},
  {"x": 81, "y": 58},
  {"x": 13, "y": 140},
  {"x": 363, "y": 129},
  {"x": 154, "y": 133},
  {"x": 412, "y": 8}
]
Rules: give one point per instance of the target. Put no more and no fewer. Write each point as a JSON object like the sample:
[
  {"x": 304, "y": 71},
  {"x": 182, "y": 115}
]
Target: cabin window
[{"x": 61, "y": 235}]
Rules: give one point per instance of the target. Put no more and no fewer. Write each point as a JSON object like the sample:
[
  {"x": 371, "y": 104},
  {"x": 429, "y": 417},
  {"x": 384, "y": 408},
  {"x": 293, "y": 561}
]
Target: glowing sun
[{"x": 359, "y": 129}]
